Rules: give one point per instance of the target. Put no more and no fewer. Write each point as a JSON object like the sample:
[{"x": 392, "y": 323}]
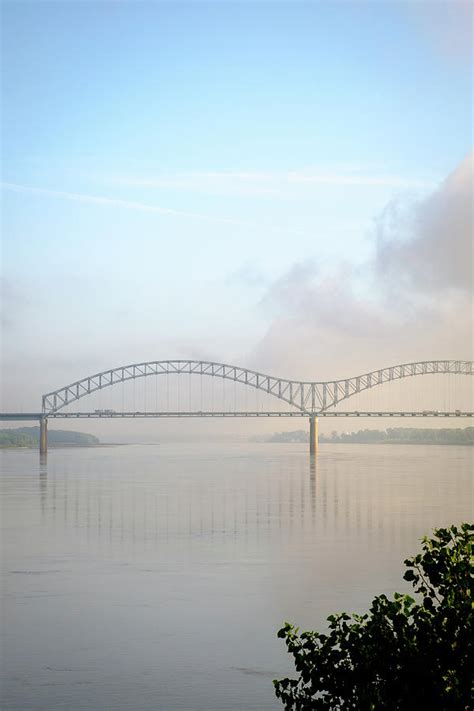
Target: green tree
[{"x": 404, "y": 653}]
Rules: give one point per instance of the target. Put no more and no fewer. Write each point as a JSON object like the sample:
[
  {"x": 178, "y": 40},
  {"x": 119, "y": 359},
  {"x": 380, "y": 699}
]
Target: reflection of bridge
[{"x": 308, "y": 398}]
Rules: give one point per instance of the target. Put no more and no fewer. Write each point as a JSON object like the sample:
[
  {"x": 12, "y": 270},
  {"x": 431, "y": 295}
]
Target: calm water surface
[{"x": 155, "y": 577}]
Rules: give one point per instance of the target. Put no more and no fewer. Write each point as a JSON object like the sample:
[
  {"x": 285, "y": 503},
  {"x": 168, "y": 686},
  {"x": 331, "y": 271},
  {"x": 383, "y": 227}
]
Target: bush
[{"x": 403, "y": 654}]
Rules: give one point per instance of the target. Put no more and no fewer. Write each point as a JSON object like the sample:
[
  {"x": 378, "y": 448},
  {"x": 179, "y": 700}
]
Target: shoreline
[{"x": 145, "y": 444}]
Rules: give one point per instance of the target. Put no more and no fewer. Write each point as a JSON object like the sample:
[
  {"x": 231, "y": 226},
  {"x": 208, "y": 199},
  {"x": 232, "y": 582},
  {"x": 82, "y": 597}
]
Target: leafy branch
[{"x": 404, "y": 653}]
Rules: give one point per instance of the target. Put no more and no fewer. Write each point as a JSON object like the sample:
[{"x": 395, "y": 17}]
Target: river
[{"x": 155, "y": 578}]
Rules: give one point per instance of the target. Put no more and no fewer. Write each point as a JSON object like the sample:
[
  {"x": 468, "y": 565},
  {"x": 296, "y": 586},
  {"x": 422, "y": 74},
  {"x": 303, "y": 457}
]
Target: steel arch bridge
[{"x": 308, "y": 397}]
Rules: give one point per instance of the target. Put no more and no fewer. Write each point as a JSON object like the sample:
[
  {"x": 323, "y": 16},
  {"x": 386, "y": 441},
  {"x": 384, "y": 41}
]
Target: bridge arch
[{"x": 309, "y": 397}]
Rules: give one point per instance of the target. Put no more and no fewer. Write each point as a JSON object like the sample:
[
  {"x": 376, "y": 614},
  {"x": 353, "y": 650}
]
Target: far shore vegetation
[
  {"x": 392, "y": 435},
  {"x": 29, "y": 437}
]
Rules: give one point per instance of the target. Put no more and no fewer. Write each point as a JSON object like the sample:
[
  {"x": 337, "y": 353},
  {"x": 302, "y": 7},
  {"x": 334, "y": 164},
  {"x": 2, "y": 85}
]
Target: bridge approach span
[{"x": 309, "y": 397}]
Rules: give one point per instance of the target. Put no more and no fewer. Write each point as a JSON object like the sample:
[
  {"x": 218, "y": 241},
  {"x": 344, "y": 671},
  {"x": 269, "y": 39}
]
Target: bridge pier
[
  {"x": 43, "y": 435},
  {"x": 313, "y": 435}
]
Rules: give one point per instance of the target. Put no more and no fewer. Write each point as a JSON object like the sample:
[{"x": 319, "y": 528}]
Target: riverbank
[
  {"x": 392, "y": 435},
  {"x": 28, "y": 438}
]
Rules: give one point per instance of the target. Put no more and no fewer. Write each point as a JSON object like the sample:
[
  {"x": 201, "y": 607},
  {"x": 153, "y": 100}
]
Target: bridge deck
[{"x": 104, "y": 414}]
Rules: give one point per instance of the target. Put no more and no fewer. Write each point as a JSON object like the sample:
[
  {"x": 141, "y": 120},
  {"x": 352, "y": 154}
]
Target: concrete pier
[
  {"x": 43, "y": 435},
  {"x": 313, "y": 435}
]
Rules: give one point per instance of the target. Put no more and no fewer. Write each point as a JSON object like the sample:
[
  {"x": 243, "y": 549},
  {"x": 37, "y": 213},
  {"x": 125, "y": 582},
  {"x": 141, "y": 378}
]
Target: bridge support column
[
  {"x": 313, "y": 435},
  {"x": 43, "y": 435}
]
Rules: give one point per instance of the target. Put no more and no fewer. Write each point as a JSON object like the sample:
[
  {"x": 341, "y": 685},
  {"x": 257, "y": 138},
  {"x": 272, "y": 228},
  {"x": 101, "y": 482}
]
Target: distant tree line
[
  {"x": 12, "y": 438},
  {"x": 392, "y": 435},
  {"x": 29, "y": 437}
]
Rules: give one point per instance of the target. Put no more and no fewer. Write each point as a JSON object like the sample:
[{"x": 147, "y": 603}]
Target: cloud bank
[
  {"x": 430, "y": 247},
  {"x": 411, "y": 301}
]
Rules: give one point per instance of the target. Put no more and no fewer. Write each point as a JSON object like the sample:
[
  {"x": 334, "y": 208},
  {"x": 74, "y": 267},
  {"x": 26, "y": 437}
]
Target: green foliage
[
  {"x": 29, "y": 437},
  {"x": 410, "y": 435},
  {"x": 404, "y": 653},
  {"x": 393, "y": 435},
  {"x": 10, "y": 438}
]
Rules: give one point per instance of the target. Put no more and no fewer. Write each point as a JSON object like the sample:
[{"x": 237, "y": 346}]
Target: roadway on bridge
[{"x": 112, "y": 414}]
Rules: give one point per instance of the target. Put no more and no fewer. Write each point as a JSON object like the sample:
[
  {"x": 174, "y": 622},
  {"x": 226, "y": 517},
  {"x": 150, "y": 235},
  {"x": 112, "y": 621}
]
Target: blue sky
[{"x": 165, "y": 164}]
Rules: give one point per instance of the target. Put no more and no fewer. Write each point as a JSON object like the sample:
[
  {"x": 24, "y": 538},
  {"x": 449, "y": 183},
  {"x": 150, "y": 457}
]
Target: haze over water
[
  {"x": 156, "y": 577},
  {"x": 282, "y": 186}
]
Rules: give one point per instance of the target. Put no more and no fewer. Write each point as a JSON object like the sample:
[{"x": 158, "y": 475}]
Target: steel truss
[{"x": 309, "y": 397}]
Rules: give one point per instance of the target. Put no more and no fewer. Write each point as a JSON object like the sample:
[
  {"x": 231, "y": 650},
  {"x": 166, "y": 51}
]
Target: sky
[{"x": 281, "y": 185}]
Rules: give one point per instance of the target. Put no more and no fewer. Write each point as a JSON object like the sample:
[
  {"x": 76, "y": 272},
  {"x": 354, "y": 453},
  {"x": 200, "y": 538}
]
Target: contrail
[{"x": 113, "y": 202}]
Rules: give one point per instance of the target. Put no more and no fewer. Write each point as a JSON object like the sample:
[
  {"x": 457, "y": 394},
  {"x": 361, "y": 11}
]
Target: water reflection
[
  {"x": 167, "y": 500},
  {"x": 156, "y": 577},
  {"x": 43, "y": 481},
  {"x": 206, "y": 504}
]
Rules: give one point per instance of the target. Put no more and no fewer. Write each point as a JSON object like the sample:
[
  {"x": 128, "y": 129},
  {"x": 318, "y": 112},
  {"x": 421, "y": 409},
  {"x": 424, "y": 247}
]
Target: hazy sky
[{"x": 281, "y": 185}]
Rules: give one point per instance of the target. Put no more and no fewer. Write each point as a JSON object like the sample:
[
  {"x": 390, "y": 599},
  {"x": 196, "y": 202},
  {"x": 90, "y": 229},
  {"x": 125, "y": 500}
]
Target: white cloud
[
  {"x": 295, "y": 184},
  {"x": 448, "y": 26},
  {"x": 416, "y": 304},
  {"x": 429, "y": 244}
]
